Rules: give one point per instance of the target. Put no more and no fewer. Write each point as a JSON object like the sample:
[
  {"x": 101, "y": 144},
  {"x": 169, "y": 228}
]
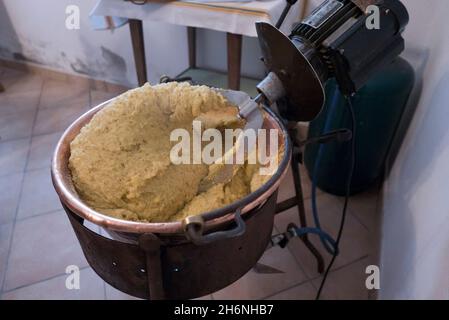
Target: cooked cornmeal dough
[{"x": 120, "y": 161}]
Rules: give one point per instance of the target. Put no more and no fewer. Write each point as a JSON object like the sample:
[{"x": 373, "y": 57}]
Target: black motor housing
[{"x": 338, "y": 40}]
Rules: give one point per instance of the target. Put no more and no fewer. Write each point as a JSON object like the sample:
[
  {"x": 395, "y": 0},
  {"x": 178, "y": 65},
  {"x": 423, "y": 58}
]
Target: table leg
[
  {"x": 191, "y": 38},
  {"x": 234, "y": 42},
  {"x": 135, "y": 27}
]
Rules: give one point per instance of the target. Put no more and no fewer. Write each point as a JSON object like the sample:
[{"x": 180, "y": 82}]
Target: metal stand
[{"x": 298, "y": 199}]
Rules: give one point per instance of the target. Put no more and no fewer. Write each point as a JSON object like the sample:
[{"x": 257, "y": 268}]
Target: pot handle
[{"x": 194, "y": 227}]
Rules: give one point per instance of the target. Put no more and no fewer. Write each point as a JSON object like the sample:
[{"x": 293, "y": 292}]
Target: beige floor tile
[
  {"x": 16, "y": 125},
  {"x": 257, "y": 286},
  {"x": 116, "y": 88},
  {"x": 287, "y": 187},
  {"x": 48, "y": 74},
  {"x": 305, "y": 291},
  {"x": 41, "y": 152},
  {"x": 364, "y": 207},
  {"x": 10, "y": 186},
  {"x": 38, "y": 194},
  {"x": 97, "y": 97},
  {"x": 307, "y": 183},
  {"x": 42, "y": 248},
  {"x": 107, "y": 87},
  {"x": 52, "y": 120},
  {"x": 17, "y": 81},
  {"x": 346, "y": 283},
  {"x": 13, "y": 156},
  {"x": 303, "y": 130},
  {"x": 354, "y": 244},
  {"x": 91, "y": 288},
  {"x": 114, "y": 294},
  {"x": 18, "y": 102},
  {"x": 5, "y": 240},
  {"x": 7, "y": 73},
  {"x": 57, "y": 94}
]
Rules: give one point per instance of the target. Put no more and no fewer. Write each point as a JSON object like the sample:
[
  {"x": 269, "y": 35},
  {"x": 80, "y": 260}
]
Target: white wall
[
  {"x": 34, "y": 30},
  {"x": 415, "y": 228}
]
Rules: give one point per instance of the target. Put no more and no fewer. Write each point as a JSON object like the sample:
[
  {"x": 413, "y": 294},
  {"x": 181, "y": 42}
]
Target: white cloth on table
[{"x": 235, "y": 17}]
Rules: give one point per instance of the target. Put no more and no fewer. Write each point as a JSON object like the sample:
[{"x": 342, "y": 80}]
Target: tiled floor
[{"x": 37, "y": 242}]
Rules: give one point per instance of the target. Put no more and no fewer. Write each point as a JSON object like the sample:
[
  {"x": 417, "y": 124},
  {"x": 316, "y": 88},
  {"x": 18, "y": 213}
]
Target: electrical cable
[
  {"x": 327, "y": 124},
  {"x": 348, "y": 191}
]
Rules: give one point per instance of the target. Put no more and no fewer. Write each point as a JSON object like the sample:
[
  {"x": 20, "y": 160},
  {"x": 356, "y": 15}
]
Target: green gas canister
[{"x": 378, "y": 108}]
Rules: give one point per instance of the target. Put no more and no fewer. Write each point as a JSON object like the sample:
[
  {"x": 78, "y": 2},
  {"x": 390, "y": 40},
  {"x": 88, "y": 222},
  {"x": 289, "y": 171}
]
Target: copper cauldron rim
[{"x": 63, "y": 185}]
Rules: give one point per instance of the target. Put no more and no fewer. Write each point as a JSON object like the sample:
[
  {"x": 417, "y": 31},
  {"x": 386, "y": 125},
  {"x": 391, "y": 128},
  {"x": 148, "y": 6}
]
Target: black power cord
[{"x": 348, "y": 191}]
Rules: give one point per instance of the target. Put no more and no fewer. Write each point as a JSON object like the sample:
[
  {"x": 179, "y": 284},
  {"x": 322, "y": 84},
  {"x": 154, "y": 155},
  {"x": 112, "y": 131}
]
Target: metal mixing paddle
[
  {"x": 271, "y": 89},
  {"x": 249, "y": 110}
]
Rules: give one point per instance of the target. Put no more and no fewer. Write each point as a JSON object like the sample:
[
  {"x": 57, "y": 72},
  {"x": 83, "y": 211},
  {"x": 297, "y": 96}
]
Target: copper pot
[{"x": 173, "y": 259}]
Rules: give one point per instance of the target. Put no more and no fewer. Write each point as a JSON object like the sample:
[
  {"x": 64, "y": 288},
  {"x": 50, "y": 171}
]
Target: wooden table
[
  {"x": 234, "y": 48},
  {"x": 234, "y": 18}
]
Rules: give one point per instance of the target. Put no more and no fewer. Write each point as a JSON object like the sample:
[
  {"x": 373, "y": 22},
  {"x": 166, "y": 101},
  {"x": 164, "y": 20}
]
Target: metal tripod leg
[
  {"x": 298, "y": 199},
  {"x": 302, "y": 212}
]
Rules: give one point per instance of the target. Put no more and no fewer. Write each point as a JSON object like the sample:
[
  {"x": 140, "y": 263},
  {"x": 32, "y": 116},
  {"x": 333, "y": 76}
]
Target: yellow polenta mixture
[{"x": 120, "y": 161}]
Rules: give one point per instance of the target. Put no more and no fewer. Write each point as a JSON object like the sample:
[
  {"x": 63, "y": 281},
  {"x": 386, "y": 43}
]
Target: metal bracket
[
  {"x": 151, "y": 245},
  {"x": 167, "y": 79},
  {"x": 282, "y": 239},
  {"x": 194, "y": 226},
  {"x": 341, "y": 135}
]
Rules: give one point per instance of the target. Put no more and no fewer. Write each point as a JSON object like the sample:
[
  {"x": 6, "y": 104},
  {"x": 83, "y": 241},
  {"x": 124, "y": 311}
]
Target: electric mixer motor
[{"x": 341, "y": 39}]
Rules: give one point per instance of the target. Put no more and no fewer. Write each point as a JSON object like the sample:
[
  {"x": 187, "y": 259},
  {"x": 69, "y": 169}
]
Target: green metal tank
[{"x": 378, "y": 108}]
